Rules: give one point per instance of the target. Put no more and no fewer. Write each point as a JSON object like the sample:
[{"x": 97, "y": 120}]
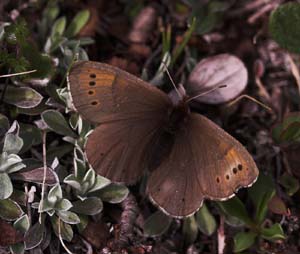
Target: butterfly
[{"x": 140, "y": 128}]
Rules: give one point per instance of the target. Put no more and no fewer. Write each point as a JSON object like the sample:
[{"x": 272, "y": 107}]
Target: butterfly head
[
  {"x": 177, "y": 95},
  {"x": 179, "y": 113}
]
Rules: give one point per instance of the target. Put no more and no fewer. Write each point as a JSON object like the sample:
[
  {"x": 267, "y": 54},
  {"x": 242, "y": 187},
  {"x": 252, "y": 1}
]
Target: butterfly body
[
  {"x": 177, "y": 117},
  {"x": 188, "y": 156}
]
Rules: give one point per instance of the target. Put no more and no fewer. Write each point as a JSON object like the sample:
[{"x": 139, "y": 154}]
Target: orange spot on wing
[{"x": 101, "y": 79}]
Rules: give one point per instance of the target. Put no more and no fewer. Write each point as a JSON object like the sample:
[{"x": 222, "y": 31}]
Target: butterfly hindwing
[{"x": 205, "y": 162}]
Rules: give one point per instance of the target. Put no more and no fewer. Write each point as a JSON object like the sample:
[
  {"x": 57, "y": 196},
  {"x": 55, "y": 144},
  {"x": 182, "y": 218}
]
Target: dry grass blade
[{"x": 17, "y": 74}]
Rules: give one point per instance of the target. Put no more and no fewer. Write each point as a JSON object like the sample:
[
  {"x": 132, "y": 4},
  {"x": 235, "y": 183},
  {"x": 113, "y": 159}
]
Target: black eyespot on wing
[
  {"x": 92, "y": 75},
  {"x": 92, "y": 83}
]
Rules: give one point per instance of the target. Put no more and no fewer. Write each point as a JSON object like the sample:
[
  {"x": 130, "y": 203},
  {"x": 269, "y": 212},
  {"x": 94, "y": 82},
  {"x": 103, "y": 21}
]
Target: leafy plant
[
  {"x": 10, "y": 162},
  {"x": 283, "y": 26},
  {"x": 261, "y": 194}
]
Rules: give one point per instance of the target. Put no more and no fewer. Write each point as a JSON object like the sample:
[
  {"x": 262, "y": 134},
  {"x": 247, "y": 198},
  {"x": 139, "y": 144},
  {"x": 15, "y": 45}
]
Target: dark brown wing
[
  {"x": 120, "y": 150},
  {"x": 205, "y": 162},
  {"x": 103, "y": 93},
  {"x": 130, "y": 112}
]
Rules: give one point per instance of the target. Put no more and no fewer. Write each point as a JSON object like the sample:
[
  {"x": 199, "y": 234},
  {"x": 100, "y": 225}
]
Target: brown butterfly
[{"x": 188, "y": 156}]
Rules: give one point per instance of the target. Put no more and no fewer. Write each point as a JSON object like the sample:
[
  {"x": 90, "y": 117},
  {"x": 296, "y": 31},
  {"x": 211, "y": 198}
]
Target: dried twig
[
  {"x": 262, "y": 90},
  {"x": 252, "y": 99},
  {"x": 221, "y": 236},
  {"x": 129, "y": 214},
  {"x": 269, "y": 7},
  {"x": 16, "y": 74},
  {"x": 60, "y": 238},
  {"x": 294, "y": 70},
  {"x": 44, "y": 176}
]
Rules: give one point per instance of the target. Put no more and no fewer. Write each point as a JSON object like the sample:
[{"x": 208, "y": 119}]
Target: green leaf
[
  {"x": 84, "y": 220},
  {"x": 79, "y": 166},
  {"x": 6, "y": 188},
  {"x": 41, "y": 63},
  {"x": 243, "y": 241},
  {"x": 22, "y": 97},
  {"x": 12, "y": 143},
  {"x": 78, "y": 22},
  {"x": 56, "y": 122},
  {"x": 51, "y": 12},
  {"x": 55, "y": 194},
  {"x": 75, "y": 121},
  {"x": 4, "y": 124},
  {"x": 44, "y": 206},
  {"x": 20, "y": 197},
  {"x": 39, "y": 109},
  {"x": 10, "y": 163},
  {"x": 206, "y": 221},
  {"x": 58, "y": 151},
  {"x": 281, "y": 131},
  {"x": 235, "y": 207},
  {"x": 99, "y": 183},
  {"x": 233, "y": 221},
  {"x": 273, "y": 233},
  {"x": 262, "y": 209},
  {"x": 284, "y": 26},
  {"x": 59, "y": 26},
  {"x": 261, "y": 193},
  {"x": 65, "y": 229},
  {"x": 276, "y": 205},
  {"x": 17, "y": 32},
  {"x": 157, "y": 224},
  {"x": 22, "y": 224},
  {"x": 113, "y": 193},
  {"x": 68, "y": 217},
  {"x": 34, "y": 236},
  {"x": 291, "y": 133},
  {"x": 18, "y": 248},
  {"x": 10, "y": 210},
  {"x": 208, "y": 15},
  {"x": 89, "y": 178},
  {"x": 63, "y": 205},
  {"x": 290, "y": 183},
  {"x": 89, "y": 206},
  {"x": 72, "y": 181},
  {"x": 190, "y": 230},
  {"x": 31, "y": 135}
]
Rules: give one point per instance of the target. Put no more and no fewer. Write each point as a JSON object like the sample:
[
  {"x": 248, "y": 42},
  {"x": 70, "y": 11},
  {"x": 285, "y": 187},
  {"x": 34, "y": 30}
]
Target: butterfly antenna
[
  {"x": 169, "y": 75},
  {"x": 251, "y": 99},
  {"x": 206, "y": 92}
]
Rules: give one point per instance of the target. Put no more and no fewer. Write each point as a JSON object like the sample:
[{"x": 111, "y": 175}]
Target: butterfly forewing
[
  {"x": 103, "y": 93},
  {"x": 130, "y": 112},
  {"x": 205, "y": 162}
]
